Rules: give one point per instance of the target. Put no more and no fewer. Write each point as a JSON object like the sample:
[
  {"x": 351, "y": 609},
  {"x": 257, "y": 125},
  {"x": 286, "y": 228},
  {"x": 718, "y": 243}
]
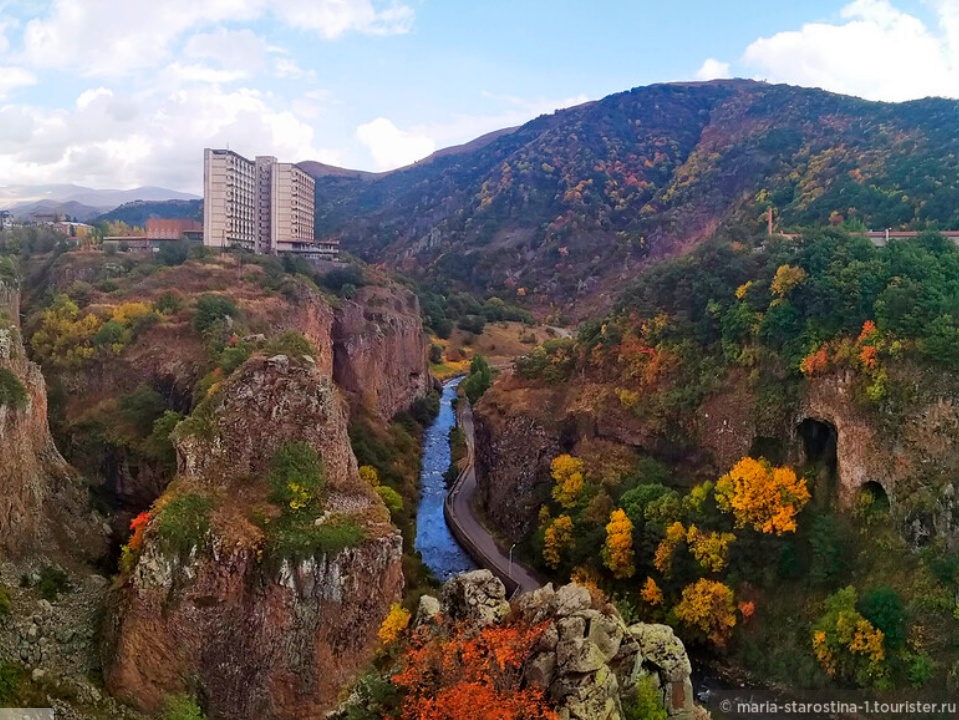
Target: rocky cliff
[
  {"x": 254, "y": 634},
  {"x": 905, "y": 448},
  {"x": 43, "y": 505},
  {"x": 585, "y": 660},
  {"x": 380, "y": 351}
]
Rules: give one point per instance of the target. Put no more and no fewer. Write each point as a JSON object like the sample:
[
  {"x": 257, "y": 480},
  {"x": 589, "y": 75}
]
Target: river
[{"x": 434, "y": 541}]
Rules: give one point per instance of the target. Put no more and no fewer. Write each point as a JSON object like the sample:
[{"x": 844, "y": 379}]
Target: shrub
[
  {"x": 472, "y": 323},
  {"x": 53, "y": 582},
  {"x": 142, "y": 408},
  {"x": 173, "y": 253},
  {"x": 884, "y": 609},
  {"x": 479, "y": 380},
  {"x": 291, "y": 343},
  {"x": 211, "y": 309},
  {"x": 920, "y": 671},
  {"x": 392, "y": 499},
  {"x": 436, "y": 354},
  {"x": 443, "y": 328},
  {"x": 296, "y": 476},
  {"x": 647, "y": 703},
  {"x": 338, "y": 278},
  {"x": 181, "y": 707},
  {"x": 232, "y": 357},
  {"x": 13, "y": 393},
  {"x": 169, "y": 303},
  {"x": 6, "y": 603},
  {"x": 183, "y": 522},
  {"x": 425, "y": 409}
]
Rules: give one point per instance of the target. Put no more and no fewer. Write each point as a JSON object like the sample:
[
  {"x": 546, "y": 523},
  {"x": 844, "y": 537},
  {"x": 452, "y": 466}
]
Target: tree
[
  {"x": 567, "y": 473},
  {"x": 709, "y": 608},
  {"x": 394, "y": 624},
  {"x": 762, "y": 496},
  {"x": 479, "y": 380},
  {"x": 651, "y": 593},
  {"x": 558, "y": 538},
  {"x": 711, "y": 549},
  {"x": 846, "y": 644},
  {"x": 618, "y": 551}
]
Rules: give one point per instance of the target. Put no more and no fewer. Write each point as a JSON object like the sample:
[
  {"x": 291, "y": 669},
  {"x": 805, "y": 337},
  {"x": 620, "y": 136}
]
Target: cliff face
[
  {"x": 256, "y": 638},
  {"x": 909, "y": 448},
  {"x": 42, "y": 503},
  {"x": 380, "y": 351}
]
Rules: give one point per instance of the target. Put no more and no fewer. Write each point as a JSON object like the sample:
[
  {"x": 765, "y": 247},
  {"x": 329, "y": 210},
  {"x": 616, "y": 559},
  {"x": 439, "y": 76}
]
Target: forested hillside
[{"x": 566, "y": 207}]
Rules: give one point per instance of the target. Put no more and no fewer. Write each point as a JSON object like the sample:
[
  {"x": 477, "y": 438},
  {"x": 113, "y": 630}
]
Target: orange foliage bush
[
  {"x": 471, "y": 675},
  {"x": 138, "y": 525}
]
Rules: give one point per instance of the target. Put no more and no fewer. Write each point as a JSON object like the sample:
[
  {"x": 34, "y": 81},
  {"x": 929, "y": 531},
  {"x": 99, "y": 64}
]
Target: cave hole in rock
[
  {"x": 820, "y": 442},
  {"x": 872, "y": 497}
]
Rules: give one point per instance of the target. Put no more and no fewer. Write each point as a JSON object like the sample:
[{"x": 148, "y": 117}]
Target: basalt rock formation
[
  {"x": 911, "y": 456},
  {"x": 43, "y": 504},
  {"x": 252, "y": 635},
  {"x": 379, "y": 350}
]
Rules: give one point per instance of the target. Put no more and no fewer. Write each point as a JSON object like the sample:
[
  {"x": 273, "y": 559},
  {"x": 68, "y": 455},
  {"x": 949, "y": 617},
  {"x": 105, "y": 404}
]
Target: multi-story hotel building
[
  {"x": 229, "y": 200},
  {"x": 280, "y": 208}
]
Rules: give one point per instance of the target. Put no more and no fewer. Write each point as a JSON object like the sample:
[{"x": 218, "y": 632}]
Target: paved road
[{"x": 477, "y": 541}]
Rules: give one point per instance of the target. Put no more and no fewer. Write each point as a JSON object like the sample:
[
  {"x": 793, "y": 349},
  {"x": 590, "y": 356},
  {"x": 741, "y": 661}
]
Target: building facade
[
  {"x": 229, "y": 200},
  {"x": 275, "y": 216}
]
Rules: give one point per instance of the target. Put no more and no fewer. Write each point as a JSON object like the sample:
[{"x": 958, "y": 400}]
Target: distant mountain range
[
  {"x": 566, "y": 209},
  {"x": 77, "y": 201}
]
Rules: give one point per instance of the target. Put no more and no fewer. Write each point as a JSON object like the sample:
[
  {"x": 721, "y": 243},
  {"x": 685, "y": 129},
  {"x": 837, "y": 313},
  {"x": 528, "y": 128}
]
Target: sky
[{"x": 121, "y": 93}]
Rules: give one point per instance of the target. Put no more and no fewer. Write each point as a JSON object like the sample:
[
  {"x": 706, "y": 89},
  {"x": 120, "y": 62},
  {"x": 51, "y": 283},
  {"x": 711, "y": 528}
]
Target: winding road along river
[{"x": 440, "y": 551}]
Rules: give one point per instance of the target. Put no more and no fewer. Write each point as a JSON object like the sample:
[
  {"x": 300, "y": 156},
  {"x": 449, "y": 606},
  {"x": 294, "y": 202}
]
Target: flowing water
[{"x": 440, "y": 551}]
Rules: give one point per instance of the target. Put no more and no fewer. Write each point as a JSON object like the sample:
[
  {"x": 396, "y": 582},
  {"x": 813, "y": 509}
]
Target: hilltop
[{"x": 565, "y": 209}]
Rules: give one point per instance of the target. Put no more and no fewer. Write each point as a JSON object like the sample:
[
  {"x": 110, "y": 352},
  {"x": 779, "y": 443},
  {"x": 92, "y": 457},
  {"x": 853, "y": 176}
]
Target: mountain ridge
[{"x": 565, "y": 208}]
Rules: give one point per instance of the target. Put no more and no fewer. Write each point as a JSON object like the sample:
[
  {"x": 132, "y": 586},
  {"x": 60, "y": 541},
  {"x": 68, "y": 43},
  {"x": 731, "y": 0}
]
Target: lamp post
[{"x": 510, "y": 573}]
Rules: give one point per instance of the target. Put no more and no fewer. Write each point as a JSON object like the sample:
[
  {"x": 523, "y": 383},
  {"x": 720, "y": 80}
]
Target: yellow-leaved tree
[
  {"x": 567, "y": 472},
  {"x": 708, "y": 607},
  {"x": 711, "y": 549},
  {"x": 394, "y": 624},
  {"x": 558, "y": 538},
  {"x": 618, "y": 551},
  {"x": 762, "y": 496}
]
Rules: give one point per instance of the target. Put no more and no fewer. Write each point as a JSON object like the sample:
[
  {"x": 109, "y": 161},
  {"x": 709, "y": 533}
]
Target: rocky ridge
[{"x": 255, "y": 638}]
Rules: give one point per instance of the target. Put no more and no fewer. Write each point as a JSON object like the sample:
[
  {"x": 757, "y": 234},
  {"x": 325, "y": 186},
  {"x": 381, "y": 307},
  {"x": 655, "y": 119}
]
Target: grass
[
  {"x": 183, "y": 522},
  {"x": 297, "y": 537}
]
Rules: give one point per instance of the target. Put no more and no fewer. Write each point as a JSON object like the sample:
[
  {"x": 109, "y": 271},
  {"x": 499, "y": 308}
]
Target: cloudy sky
[{"x": 119, "y": 93}]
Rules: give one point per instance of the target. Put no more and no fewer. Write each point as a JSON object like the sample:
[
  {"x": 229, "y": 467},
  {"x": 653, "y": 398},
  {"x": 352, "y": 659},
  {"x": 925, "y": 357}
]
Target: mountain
[
  {"x": 22, "y": 200},
  {"x": 139, "y": 211},
  {"x": 564, "y": 209}
]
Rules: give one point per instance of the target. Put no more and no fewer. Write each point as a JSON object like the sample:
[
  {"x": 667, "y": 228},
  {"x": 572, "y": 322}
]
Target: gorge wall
[
  {"x": 253, "y": 636},
  {"x": 43, "y": 504},
  {"x": 379, "y": 350},
  {"x": 908, "y": 447}
]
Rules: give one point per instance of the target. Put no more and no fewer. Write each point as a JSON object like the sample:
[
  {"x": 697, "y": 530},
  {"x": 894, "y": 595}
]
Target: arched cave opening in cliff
[
  {"x": 873, "y": 498},
  {"x": 821, "y": 444}
]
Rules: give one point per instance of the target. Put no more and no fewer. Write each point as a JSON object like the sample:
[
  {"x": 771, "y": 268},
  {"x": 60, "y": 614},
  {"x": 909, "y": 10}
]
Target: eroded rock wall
[
  {"x": 380, "y": 350},
  {"x": 254, "y": 639},
  {"x": 43, "y": 505}
]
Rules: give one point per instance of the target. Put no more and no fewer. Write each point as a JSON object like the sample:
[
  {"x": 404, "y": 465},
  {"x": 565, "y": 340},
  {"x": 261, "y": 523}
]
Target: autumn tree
[
  {"x": 709, "y": 608},
  {"x": 711, "y": 549},
  {"x": 65, "y": 339},
  {"x": 787, "y": 277},
  {"x": 394, "y": 624},
  {"x": 618, "y": 551},
  {"x": 847, "y": 645},
  {"x": 651, "y": 593},
  {"x": 567, "y": 473},
  {"x": 762, "y": 496},
  {"x": 557, "y": 539}
]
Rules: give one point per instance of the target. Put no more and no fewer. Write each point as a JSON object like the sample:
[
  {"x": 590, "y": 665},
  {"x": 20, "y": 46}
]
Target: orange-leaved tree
[
  {"x": 618, "y": 551},
  {"x": 709, "y": 608},
  {"x": 567, "y": 472},
  {"x": 762, "y": 496},
  {"x": 471, "y": 675}
]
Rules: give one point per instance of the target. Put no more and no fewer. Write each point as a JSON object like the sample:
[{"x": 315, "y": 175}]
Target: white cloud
[
  {"x": 713, "y": 69},
  {"x": 233, "y": 50},
  {"x": 12, "y": 78},
  {"x": 285, "y": 68},
  {"x": 204, "y": 74},
  {"x": 392, "y": 147},
  {"x": 113, "y": 39},
  {"x": 877, "y": 52},
  {"x": 333, "y": 18}
]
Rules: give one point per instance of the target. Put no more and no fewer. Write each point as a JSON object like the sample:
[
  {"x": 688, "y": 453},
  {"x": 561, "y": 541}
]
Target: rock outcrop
[
  {"x": 43, "y": 504},
  {"x": 380, "y": 351},
  {"x": 908, "y": 451},
  {"x": 253, "y": 637},
  {"x": 587, "y": 661}
]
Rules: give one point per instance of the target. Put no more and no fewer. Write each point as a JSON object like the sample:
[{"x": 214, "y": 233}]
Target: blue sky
[{"x": 117, "y": 93}]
